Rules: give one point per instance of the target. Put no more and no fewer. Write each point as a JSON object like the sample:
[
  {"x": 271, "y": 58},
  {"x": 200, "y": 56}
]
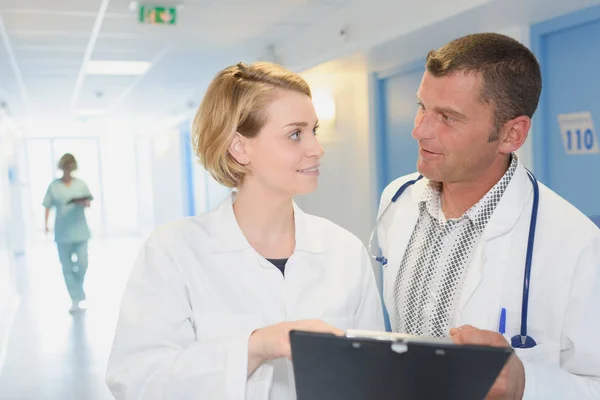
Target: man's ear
[{"x": 515, "y": 133}]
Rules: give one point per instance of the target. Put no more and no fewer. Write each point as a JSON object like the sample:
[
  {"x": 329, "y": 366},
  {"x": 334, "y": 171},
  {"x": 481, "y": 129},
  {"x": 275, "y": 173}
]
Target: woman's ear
[{"x": 237, "y": 149}]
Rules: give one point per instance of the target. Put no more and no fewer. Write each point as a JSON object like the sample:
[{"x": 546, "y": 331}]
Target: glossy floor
[{"x": 52, "y": 354}]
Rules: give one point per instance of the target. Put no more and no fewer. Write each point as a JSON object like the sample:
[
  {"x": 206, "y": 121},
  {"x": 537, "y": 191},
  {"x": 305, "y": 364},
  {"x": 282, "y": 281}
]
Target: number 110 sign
[{"x": 578, "y": 133}]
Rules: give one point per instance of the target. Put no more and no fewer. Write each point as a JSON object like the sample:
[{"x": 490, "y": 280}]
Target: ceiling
[
  {"x": 494, "y": 16},
  {"x": 45, "y": 44}
]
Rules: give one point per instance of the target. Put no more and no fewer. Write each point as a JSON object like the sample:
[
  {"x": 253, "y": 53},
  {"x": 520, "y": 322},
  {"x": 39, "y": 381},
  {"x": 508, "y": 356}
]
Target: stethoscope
[{"x": 522, "y": 340}]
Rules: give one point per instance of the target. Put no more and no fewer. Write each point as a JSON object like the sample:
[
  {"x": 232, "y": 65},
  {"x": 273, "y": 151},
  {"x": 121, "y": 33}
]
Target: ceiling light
[
  {"x": 116, "y": 67},
  {"x": 324, "y": 104},
  {"x": 87, "y": 112}
]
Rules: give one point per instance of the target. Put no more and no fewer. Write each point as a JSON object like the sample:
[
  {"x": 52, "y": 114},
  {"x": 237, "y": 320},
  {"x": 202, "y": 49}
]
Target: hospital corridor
[
  {"x": 257, "y": 199},
  {"x": 52, "y": 354}
]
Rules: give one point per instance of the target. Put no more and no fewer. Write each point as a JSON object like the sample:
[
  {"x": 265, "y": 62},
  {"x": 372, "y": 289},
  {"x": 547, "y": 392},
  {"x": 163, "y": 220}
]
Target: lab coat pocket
[
  {"x": 212, "y": 326},
  {"x": 547, "y": 353}
]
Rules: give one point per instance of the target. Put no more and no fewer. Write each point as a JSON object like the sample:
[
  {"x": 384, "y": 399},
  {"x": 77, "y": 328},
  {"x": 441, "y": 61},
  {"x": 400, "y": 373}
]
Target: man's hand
[{"x": 511, "y": 381}]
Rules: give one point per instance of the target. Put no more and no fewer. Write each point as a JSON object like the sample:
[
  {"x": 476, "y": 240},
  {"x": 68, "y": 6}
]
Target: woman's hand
[
  {"x": 273, "y": 341},
  {"x": 83, "y": 203}
]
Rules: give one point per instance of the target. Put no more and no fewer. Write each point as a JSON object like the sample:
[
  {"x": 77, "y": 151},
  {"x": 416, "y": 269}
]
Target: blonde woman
[
  {"x": 69, "y": 196},
  {"x": 210, "y": 303}
]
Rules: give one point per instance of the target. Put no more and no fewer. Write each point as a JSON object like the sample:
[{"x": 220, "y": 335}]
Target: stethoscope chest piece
[{"x": 522, "y": 342}]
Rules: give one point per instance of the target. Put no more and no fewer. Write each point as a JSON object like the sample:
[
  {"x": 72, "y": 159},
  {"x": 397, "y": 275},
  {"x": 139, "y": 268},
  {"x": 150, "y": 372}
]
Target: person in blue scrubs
[{"x": 70, "y": 196}]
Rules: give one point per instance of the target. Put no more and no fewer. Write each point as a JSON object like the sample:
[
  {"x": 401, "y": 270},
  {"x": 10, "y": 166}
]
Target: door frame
[
  {"x": 381, "y": 116},
  {"x": 538, "y": 33}
]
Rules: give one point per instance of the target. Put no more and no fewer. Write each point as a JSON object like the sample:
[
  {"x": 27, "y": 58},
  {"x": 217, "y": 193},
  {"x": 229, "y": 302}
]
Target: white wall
[
  {"x": 369, "y": 24},
  {"x": 346, "y": 187},
  {"x": 144, "y": 182},
  {"x": 522, "y": 34},
  {"x": 390, "y": 56},
  {"x": 167, "y": 178},
  {"x": 207, "y": 192},
  {"x": 214, "y": 192},
  {"x": 347, "y": 192},
  {"x": 365, "y": 24},
  {"x": 8, "y": 288},
  {"x": 199, "y": 180},
  {"x": 18, "y": 201}
]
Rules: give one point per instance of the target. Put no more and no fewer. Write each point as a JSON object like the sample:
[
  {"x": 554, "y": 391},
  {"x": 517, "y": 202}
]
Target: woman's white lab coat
[
  {"x": 198, "y": 290},
  {"x": 564, "y": 300}
]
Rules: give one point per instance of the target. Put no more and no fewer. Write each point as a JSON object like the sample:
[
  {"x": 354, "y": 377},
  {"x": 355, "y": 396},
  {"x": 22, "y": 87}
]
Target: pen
[{"x": 502, "y": 327}]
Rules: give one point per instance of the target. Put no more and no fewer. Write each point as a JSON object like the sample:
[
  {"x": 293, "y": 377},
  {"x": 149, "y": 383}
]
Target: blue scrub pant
[{"x": 74, "y": 271}]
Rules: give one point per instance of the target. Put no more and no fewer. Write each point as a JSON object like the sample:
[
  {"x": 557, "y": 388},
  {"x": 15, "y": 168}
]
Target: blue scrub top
[{"x": 70, "y": 225}]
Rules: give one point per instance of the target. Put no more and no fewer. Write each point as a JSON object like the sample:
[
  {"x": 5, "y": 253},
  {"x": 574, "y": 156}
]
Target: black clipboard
[
  {"x": 383, "y": 366},
  {"x": 73, "y": 200}
]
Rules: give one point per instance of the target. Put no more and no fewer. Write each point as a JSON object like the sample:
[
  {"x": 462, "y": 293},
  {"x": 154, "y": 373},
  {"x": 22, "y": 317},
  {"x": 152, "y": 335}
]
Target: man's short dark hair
[{"x": 512, "y": 80}]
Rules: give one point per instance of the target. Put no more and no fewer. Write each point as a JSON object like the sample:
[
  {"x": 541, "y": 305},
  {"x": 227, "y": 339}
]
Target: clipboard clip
[
  {"x": 398, "y": 341},
  {"x": 399, "y": 346}
]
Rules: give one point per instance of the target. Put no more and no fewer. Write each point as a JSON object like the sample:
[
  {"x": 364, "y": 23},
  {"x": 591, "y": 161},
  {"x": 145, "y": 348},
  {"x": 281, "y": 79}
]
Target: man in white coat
[{"x": 456, "y": 240}]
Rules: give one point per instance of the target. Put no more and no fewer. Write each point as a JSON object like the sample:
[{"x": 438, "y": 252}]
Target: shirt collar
[
  {"x": 480, "y": 213},
  {"x": 228, "y": 236}
]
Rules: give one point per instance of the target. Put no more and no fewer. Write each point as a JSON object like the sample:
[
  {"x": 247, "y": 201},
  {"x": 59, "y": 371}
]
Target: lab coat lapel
[
  {"x": 308, "y": 239},
  {"x": 487, "y": 269},
  {"x": 491, "y": 256},
  {"x": 405, "y": 215},
  {"x": 226, "y": 233}
]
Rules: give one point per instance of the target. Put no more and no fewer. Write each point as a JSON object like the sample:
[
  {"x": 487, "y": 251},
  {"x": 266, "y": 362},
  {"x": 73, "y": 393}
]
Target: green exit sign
[{"x": 161, "y": 15}]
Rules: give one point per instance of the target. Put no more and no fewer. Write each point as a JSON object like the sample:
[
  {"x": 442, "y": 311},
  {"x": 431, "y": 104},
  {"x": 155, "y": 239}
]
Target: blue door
[
  {"x": 397, "y": 150},
  {"x": 569, "y": 52}
]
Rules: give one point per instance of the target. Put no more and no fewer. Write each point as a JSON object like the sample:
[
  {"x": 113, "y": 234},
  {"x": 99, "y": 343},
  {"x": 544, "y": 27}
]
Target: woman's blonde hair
[
  {"x": 235, "y": 101},
  {"x": 67, "y": 159}
]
